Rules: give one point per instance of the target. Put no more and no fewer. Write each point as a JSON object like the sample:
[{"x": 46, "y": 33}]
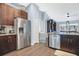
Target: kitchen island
[{"x": 70, "y": 42}]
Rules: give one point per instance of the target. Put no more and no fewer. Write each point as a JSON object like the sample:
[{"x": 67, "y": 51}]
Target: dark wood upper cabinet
[
  {"x": 22, "y": 14},
  {"x": 7, "y": 14}
]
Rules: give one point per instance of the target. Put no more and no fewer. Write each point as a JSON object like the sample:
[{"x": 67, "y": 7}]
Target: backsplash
[
  {"x": 72, "y": 27},
  {"x": 7, "y": 29}
]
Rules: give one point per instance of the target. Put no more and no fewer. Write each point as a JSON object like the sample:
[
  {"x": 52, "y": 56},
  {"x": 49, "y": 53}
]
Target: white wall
[
  {"x": 34, "y": 16},
  {"x": 58, "y": 11},
  {"x": 38, "y": 22},
  {"x": 43, "y": 22}
]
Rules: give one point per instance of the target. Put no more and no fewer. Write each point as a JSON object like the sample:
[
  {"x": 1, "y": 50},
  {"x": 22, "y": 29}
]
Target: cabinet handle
[
  {"x": 71, "y": 41},
  {"x": 8, "y": 40},
  {"x": 68, "y": 43}
]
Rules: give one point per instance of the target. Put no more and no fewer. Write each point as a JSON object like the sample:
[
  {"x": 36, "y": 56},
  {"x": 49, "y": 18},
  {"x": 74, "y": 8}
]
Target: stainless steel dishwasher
[{"x": 54, "y": 41}]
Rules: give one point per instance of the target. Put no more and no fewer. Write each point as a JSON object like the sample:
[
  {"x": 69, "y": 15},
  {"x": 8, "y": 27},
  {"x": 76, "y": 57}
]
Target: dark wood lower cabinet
[
  {"x": 64, "y": 42},
  {"x": 3, "y": 45},
  {"x": 70, "y": 43},
  {"x": 7, "y": 43}
]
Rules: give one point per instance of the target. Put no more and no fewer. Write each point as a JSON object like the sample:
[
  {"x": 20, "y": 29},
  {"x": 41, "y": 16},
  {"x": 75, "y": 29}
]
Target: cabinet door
[
  {"x": 64, "y": 42},
  {"x": 8, "y": 18},
  {"x": 7, "y": 44},
  {"x": 23, "y": 14},
  {"x": 7, "y": 14},
  {"x": 3, "y": 45},
  {"x": 69, "y": 45},
  {"x": 12, "y": 42},
  {"x": 1, "y": 11},
  {"x": 4, "y": 14},
  {"x": 76, "y": 44}
]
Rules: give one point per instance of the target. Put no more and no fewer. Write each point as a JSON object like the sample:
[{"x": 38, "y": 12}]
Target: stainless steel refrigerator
[{"x": 23, "y": 31}]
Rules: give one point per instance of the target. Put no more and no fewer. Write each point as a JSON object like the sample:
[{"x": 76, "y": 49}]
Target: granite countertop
[
  {"x": 55, "y": 33},
  {"x": 8, "y": 34},
  {"x": 68, "y": 33}
]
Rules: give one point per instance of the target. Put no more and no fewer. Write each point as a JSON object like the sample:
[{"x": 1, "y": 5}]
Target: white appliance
[{"x": 23, "y": 31}]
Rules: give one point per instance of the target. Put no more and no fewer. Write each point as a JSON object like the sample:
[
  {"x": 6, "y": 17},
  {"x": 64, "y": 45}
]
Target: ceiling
[{"x": 58, "y": 11}]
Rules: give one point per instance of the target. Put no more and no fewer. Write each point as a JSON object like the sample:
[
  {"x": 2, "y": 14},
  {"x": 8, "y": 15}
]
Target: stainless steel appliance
[
  {"x": 54, "y": 41},
  {"x": 23, "y": 31}
]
